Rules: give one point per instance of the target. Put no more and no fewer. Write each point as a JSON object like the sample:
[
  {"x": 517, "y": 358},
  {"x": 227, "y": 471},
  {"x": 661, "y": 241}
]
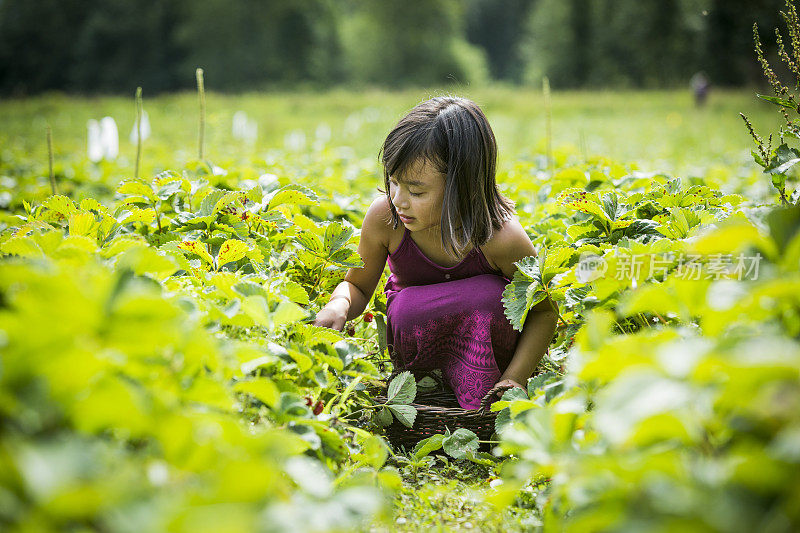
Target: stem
[
  {"x": 582, "y": 141},
  {"x": 554, "y": 306},
  {"x": 158, "y": 218},
  {"x": 201, "y": 93},
  {"x": 548, "y": 112},
  {"x": 321, "y": 274},
  {"x": 50, "y": 158},
  {"x": 139, "y": 136},
  {"x": 784, "y": 200},
  {"x": 366, "y": 408}
]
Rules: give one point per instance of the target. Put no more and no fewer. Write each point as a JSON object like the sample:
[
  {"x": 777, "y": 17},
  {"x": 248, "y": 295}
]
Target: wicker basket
[{"x": 437, "y": 411}]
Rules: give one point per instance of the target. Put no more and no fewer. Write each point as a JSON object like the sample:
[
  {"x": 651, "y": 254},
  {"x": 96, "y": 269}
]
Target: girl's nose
[{"x": 399, "y": 200}]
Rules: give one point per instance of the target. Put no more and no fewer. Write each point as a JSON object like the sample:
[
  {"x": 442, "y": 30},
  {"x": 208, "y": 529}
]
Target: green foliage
[
  {"x": 778, "y": 163},
  {"x": 158, "y": 365},
  {"x": 671, "y": 391},
  {"x": 126, "y": 366}
]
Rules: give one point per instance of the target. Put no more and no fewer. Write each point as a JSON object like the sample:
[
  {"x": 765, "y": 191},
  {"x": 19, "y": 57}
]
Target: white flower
[
  {"x": 295, "y": 140},
  {"x": 244, "y": 128},
  {"x": 109, "y": 138},
  {"x": 95, "y": 145}
]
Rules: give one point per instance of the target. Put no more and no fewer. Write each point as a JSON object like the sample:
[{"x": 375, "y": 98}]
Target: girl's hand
[
  {"x": 497, "y": 391},
  {"x": 331, "y": 317}
]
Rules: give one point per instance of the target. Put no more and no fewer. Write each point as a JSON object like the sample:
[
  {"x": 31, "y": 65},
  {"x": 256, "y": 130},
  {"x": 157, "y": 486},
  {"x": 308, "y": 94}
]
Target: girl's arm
[
  {"x": 512, "y": 244},
  {"x": 352, "y": 295}
]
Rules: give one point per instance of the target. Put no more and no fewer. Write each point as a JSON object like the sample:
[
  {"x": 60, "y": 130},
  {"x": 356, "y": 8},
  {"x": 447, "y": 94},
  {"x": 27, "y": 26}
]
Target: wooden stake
[
  {"x": 50, "y": 158},
  {"x": 547, "y": 122},
  {"x": 201, "y": 93},
  {"x": 138, "y": 132}
]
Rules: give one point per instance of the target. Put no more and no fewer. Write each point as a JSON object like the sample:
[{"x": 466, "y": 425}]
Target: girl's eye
[{"x": 415, "y": 193}]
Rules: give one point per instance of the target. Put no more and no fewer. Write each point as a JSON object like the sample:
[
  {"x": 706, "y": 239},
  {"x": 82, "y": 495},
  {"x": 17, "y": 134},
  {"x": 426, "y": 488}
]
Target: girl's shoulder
[
  {"x": 378, "y": 223},
  {"x": 508, "y": 245}
]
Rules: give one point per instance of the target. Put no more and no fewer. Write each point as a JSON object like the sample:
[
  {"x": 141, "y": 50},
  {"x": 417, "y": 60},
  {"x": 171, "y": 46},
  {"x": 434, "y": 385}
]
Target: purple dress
[{"x": 450, "y": 318}]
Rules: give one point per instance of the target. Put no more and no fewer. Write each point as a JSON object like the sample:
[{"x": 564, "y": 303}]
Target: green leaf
[
  {"x": 136, "y": 188},
  {"x": 336, "y": 236},
  {"x": 303, "y": 361},
  {"x": 60, "y": 204},
  {"x": 81, "y": 223},
  {"x": 294, "y": 291},
  {"x": 584, "y": 201},
  {"x": 373, "y": 451},
  {"x": 287, "y": 312},
  {"x": 461, "y": 442},
  {"x": 249, "y": 288},
  {"x": 263, "y": 389},
  {"x": 311, "y": 242},
  {"x": 524, "y": 291},
  {"x": 402, "y": 389},
  {"x": 610, "y": 205},
  {"x": 502, "y": 421},
  {"x": 347, "y": 258},
  {"x": 384, "y": 417},
  {"x": 226, "y": 200},
  {"x": 783, "y": 102},
  {"x": 538, "y": 381},
  {"x": 292, "y": 195},
  {"x": 513, "y": 394},
  {"x": 21, "y": 246},
  {"x": 481, "y": 458},
  {"x": 515, "y": 301},
  {"x": 198, "y": 249},
  {"x": 426, "y": 446},
  {"x": 209, "y": 202},
  {"x": 230, "y": 251},
  {"x": 256, "y": 308},
  {"x": 406, "y": 414},
  {"x": 784, "y": 159}
]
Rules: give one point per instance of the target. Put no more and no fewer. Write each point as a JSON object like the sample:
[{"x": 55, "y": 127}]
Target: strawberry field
[{"x": 159, "y": 370}]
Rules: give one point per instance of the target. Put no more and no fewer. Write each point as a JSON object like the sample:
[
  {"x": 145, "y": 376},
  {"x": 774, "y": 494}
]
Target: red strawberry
[
  {"x": 318, "y": 407},
  {"x": 368, "y": 317},
  {"x": 308, "y": 401}
]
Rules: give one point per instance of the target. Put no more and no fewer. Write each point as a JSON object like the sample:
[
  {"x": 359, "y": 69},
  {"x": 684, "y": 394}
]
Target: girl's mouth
[{"x": 405, "y": 220}]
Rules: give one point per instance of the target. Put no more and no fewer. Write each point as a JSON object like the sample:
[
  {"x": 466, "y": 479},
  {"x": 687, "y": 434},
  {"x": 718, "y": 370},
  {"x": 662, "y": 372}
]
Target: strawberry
[
  {"x": 318, "y": 407},
  {"x": 351, "y": 331},
  {"x": 308, "y": 401},
  {"x": 368, "y": 317}
]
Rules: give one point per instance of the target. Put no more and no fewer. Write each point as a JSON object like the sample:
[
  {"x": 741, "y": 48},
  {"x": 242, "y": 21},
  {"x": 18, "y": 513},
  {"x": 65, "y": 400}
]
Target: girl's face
[{"x": 417, "y": 196}]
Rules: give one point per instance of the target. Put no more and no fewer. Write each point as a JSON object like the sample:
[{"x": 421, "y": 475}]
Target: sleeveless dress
[{"x": 450, "y": 318}]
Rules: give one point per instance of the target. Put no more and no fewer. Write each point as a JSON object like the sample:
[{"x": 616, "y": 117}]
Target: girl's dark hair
[{"x": 454, "y": 135}]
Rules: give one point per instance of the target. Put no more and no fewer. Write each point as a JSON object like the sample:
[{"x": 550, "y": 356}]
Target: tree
[
  {"x": 497, "y": 26},
  {"x": 420, "y": 42}
]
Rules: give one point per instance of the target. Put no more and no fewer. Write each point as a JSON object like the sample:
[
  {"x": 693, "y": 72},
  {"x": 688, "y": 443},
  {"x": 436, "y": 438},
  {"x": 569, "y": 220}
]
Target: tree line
[{"x": 110, "y": 46}]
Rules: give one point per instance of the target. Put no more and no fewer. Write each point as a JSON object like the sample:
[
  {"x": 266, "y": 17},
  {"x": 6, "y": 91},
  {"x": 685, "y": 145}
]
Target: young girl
[{"x": 451, "y": 241}]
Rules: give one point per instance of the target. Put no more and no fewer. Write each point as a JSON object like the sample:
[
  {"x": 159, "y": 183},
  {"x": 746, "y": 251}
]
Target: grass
[
  {"x": 452, "y": 495},
  {"x": 658, "y": 130}
]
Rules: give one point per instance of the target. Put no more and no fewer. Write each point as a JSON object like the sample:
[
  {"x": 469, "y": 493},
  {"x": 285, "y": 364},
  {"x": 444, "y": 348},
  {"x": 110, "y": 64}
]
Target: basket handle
[{"x": 494, "y": 394}]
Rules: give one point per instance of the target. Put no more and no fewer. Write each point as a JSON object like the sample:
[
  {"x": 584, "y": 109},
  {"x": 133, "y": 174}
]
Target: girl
[{"x": 451, "y": 241}]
